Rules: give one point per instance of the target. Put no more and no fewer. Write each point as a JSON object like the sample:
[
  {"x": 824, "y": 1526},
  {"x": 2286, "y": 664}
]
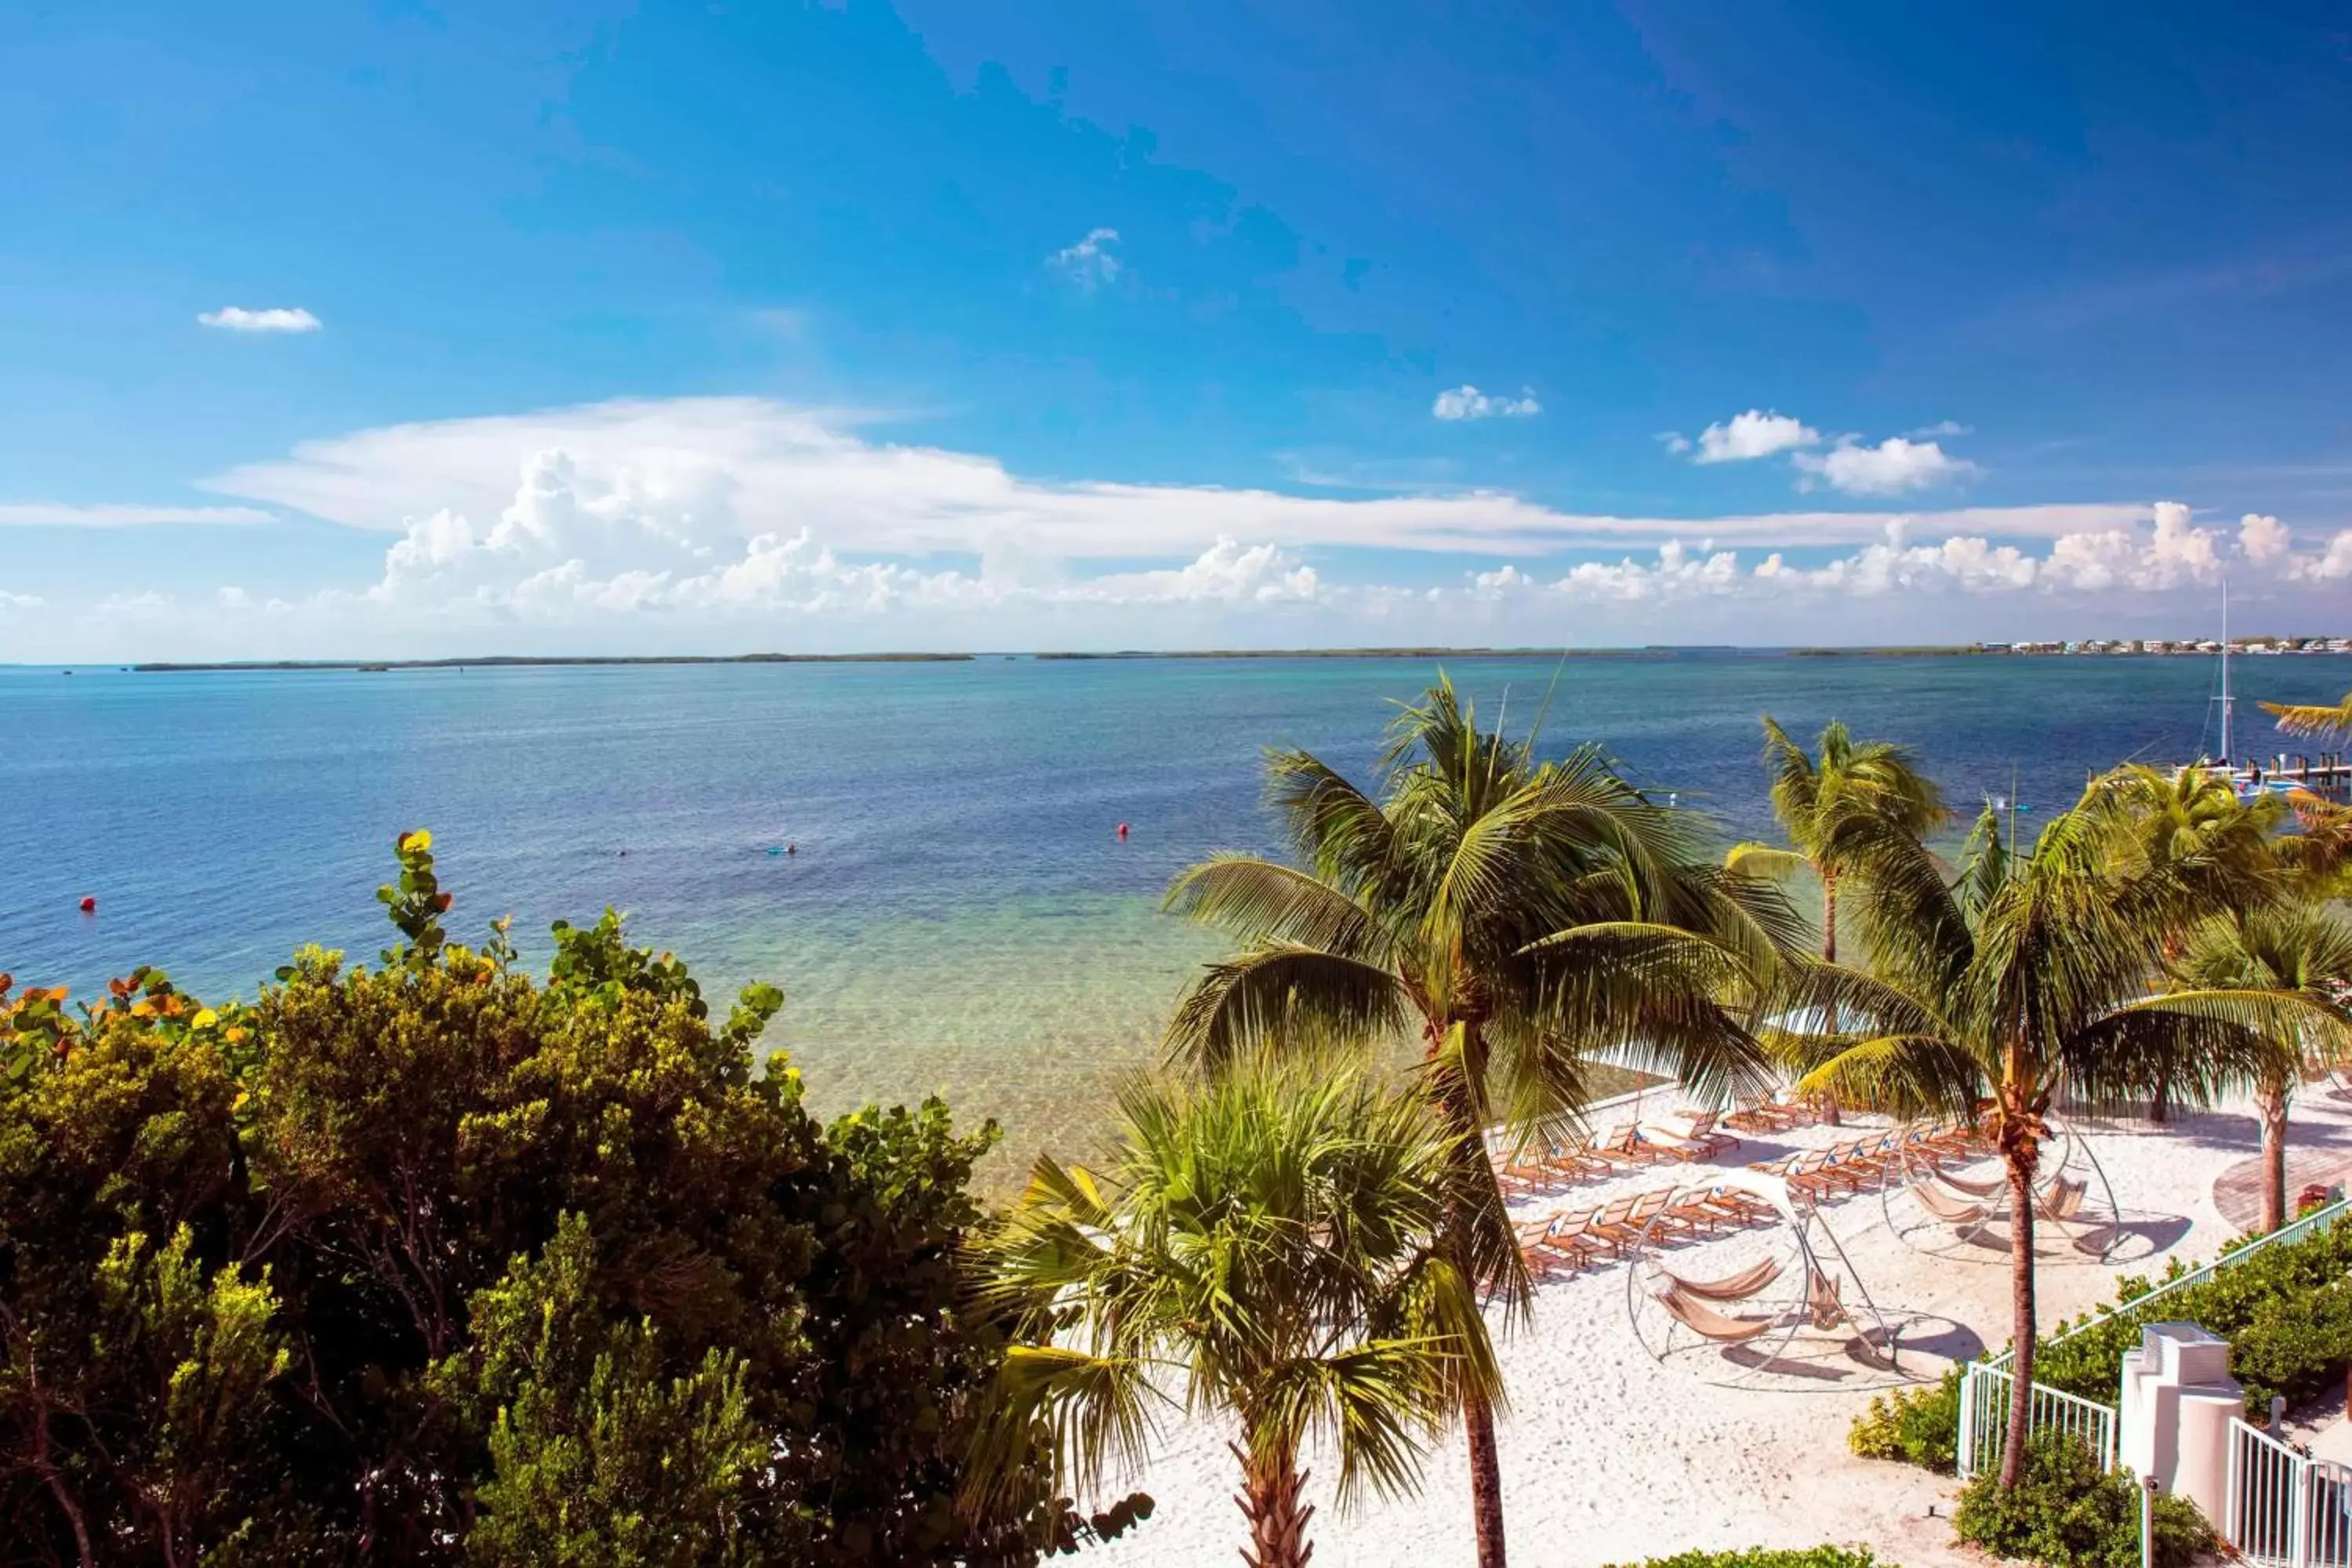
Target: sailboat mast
[{"x": 2226, "y": 758}]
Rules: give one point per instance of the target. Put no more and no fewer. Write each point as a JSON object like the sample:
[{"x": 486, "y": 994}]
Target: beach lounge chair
[
  {"x": 1806, "y": 1174},
  {"x": 1625, "y": 1221},
  {"x": 1554, "y": 1244},
  {"x": 1739, "y": 1206},
  {"x": 1623, "y": 1148},
  {"x": 1691, "y": 1135},
  {"x": 1690, "y": 1210},
  {"x": 1759, "y": 1113}
]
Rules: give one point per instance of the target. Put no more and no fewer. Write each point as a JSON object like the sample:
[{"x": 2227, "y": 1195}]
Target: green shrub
[
  {"x": 2272, "y": 1288},
  {"x": 2068, "y": 1511},
  {"x": 1771, "y": 1557},
  {"x": 1916, "y": 1425}
]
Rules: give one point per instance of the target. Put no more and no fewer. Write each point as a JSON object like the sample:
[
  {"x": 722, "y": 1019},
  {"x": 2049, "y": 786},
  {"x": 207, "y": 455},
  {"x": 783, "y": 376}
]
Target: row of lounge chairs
[
  {"x": 1845, "y": 1168},
  {"x": 1680, "y": 1139},
  {"x": 1578, "y": 1239}
]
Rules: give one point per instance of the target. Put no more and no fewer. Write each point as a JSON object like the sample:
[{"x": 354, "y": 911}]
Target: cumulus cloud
[
  {"x": 45, "y": 514},
  {"x": 278, "y": 319},
  {"x": 2332, "y": 565},
  {"x": 1466, "y": 402},
  {"x": 1895, "y": 466},
  {"x": 9, "y": 600},
  {"x": 1755, "y": 433},
  {"x": 1089, "y": 263},
  {"x": 2263, "y": 539}
]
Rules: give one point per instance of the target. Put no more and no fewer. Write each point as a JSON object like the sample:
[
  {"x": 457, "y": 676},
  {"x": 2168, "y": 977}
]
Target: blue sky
[{"x": 382, "y": 328}]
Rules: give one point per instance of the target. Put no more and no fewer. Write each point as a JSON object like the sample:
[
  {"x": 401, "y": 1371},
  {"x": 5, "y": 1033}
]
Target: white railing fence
[
  {"x": 1985, "y": 1395},
  {"x": 2284, "y": 1509},
  {"x": 2285, "y": 1236}
]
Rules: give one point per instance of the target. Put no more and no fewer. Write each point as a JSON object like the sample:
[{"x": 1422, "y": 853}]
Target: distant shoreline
[{"x": 1654, "y": 650}]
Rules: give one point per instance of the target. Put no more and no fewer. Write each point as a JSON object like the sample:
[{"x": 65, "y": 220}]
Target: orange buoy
[{"x": 89, "y": 906}]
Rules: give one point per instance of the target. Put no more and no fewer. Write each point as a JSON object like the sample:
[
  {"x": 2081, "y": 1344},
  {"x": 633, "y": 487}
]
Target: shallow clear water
[{"x": 961, "y": 916}]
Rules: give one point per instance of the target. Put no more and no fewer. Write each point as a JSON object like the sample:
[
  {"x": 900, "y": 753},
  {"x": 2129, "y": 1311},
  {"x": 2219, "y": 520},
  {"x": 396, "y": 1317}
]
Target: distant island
[{"x": 512, "y": 661}]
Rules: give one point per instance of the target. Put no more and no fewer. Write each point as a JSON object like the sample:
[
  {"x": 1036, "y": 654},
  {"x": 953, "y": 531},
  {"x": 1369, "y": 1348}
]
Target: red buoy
[
  {"x": 1122, "y": 830},
  {"x": 89, "y": 906}
]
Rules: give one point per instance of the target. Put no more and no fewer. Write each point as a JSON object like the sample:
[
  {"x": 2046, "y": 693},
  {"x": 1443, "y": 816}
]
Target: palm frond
[
  {"x": 1283, "y": 995},
  {"x": 1754, "y": 859},
  {"x": 2313, "y": 719},
  {"x": 1902, "y": 1075},
  {"x": 1261, "y": 900}
]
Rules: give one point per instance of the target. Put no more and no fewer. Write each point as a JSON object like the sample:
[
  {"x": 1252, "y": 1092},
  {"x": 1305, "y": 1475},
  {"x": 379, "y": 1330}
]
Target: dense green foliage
[
  {"x": 1769, "y": 1557},
  {"x": 1916, "y": 1425},
  {"x": 434, "y": 1263},
  {"x": 2284, "y": 1310},
  {"x": 2068, "y": 1510}
]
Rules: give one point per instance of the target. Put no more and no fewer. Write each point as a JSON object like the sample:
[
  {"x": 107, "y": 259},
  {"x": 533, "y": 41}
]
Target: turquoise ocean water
[{"x": 960, "y": 916}]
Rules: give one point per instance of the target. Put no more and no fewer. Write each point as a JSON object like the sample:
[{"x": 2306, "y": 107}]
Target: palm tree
[
  {"x": 1512, "y": 920},
  {"x": 2185, "y": 832},
  {"x": 1264, "y": 1243},
  {"x": 2304, "y": 949},
  {"x": 1852, "y": 802},
  {"x": 2313, "y": 719},
  {"x": 2011, "y": 985}
]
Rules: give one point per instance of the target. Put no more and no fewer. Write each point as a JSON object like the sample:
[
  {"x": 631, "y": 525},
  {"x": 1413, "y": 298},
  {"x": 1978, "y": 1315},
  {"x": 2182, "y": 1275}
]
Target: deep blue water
[{"x": 959, "y": 915}]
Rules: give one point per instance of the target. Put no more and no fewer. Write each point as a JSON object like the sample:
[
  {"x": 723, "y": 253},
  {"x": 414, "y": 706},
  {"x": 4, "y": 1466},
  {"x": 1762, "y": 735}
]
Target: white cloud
[
  {"x": 44, "y": 514},
  {"x": 1466, "y": 402},
  {"x": 1892, "y": 468},
  {"x": 1088, "y": 263},
  {"x": 2263, "y": 539},
  {"x": 731, "y": 469},
  {"x": 9, "y": 600},
  {"x": 1755, "y": 433},
  {"x": 1940, "y": 427},
  {"x": 279, "y": 319},
  {"x": 2332, "y": 565}
]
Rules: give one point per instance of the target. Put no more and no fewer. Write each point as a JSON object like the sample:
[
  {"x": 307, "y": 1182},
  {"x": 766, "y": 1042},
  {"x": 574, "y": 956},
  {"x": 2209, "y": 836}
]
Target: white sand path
[{"x": 1608, "y": 1458}]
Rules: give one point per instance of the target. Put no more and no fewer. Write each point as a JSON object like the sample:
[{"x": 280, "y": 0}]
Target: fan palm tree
[
  {"x": 1511, "y": 920},
  {"x": 2313, "y": 719},
  {"x": 2304, "y": 949},
  {"x": 1264, "y": 1245},
  {"x": 1847, "y": 803},
  {"x": 2185, "y": 832},
  {"x": 2001, "y": 990}
]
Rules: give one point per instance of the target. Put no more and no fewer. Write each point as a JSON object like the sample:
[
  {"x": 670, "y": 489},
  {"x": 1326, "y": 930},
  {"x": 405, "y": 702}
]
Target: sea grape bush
[
  {"x": 1771, "y": 1557},
  {"x": 437, "y": 1264},
  {"x": 1916, "y": 1426},
  {"x": 2069, "y": 1511}
]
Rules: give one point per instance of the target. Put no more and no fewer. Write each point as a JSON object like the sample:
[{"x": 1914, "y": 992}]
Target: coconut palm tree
[
  {"x": 2185, "y": 833},
  {"x": 2314, "y": 719},
  {"x": 1260, "y": 1251},
  {"x": 2304, "y": 949},
  {"x": 1510, "y": 921},
  {"x": 2008, "y": 986},
  {"x": 1847, "y": 803}
]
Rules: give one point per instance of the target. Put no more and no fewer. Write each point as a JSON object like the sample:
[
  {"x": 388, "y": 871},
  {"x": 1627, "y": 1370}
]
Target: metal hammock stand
[
  {"x": 1951, "y": 1216},
  {"x": 1791, "y": 1276}
]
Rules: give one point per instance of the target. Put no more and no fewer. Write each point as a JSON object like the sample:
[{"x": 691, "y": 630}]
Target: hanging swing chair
[
  {"x": 1779, "y": 1299},
  {"x": 1962, "y": 1210}
]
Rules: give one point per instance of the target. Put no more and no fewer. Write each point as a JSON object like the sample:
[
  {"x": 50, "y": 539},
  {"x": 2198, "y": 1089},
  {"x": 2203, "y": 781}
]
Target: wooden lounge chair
[
  {"x": 1738, "y": 1207},
  {"x": 1623, "y": 1147},
  {"x": 1627, "y": 1225},
  {"x": 1759, "y": 1113},
  {"x": 1689, "y": 1136},
  {"x": 1689, "y": 1210}
]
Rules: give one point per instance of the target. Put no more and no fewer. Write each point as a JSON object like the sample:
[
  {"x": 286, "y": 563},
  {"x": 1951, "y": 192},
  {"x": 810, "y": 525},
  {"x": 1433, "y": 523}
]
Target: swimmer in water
[{"x": 792, "y": 848}]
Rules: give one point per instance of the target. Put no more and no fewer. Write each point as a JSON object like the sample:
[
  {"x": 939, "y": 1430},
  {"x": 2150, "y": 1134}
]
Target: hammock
[
  {"x": 1979, "y": 1190},
  {"x": 1825, "y": 1299},
  {"x": 1709, "y": 1324},
  {"x": 1950, "y": 1210},
  {"x": 1733, "y": 1288},
  {"x": 2063, "y": 1200}
]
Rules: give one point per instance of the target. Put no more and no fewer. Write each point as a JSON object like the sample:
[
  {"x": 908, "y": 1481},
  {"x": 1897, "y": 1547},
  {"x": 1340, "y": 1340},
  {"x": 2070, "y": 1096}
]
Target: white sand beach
[{"x": 1608, "y": 1458}]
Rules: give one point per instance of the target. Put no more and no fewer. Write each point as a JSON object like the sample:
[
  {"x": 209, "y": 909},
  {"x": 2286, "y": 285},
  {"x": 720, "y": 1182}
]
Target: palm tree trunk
[
  {"x": 1273, "y": 1499},
  {"x": 1829, "y": 915},
  {"x": 2159, "y": 1104},
  {"x": 1485, "y": 1481},
  {"x": 1458, "y": 1114},
  {"x": 2271, "y": 1101},
  {"x": 2023, "y": 1154}
]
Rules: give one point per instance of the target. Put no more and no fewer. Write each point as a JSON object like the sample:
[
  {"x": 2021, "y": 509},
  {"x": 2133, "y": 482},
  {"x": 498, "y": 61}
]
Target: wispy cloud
[
  {"x": 1089, "y": 263},
  {"x": 276, "y": 319},
  {"x": 1940, "y": 427},
  {"x": 1466, "y": 402},
  {"x": 52, "y": 514}
]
